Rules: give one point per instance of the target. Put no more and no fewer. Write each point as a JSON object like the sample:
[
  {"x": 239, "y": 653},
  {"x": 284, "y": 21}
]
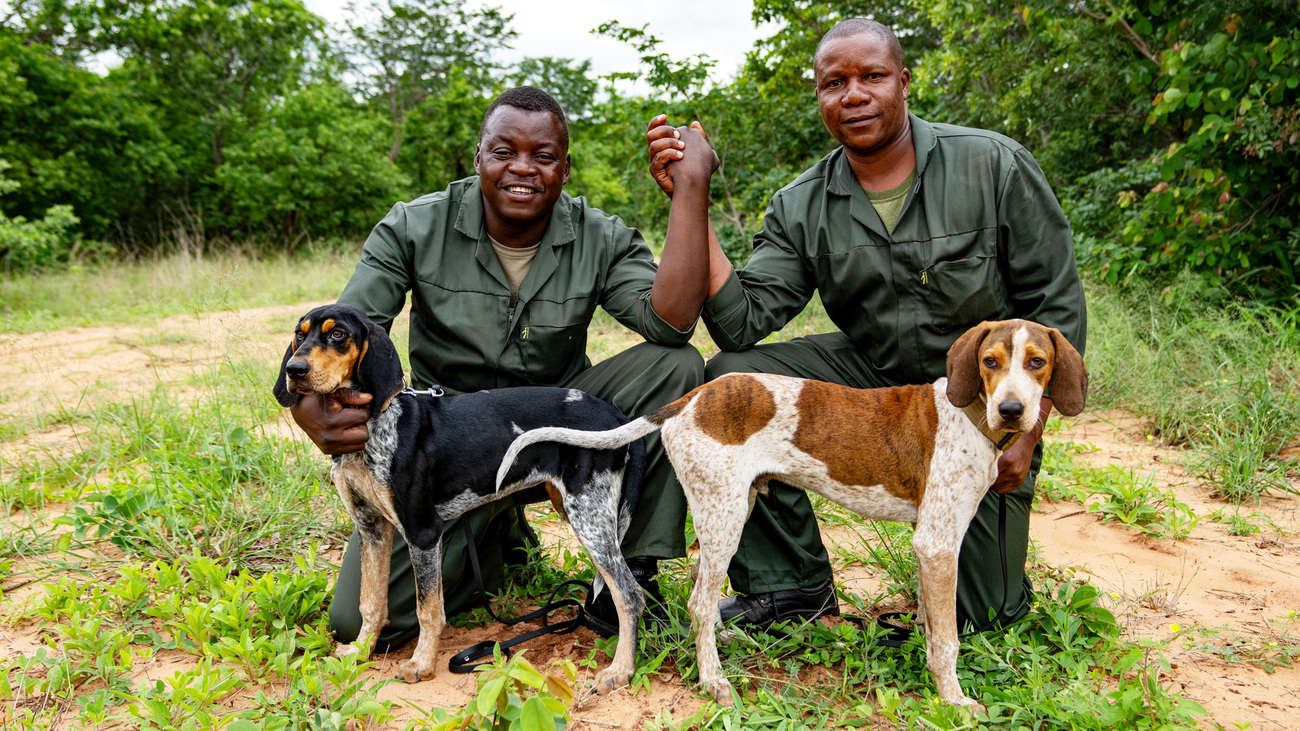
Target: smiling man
[
  {"x": 910, "y": 232},
  {"x": 505, "y": 271}
]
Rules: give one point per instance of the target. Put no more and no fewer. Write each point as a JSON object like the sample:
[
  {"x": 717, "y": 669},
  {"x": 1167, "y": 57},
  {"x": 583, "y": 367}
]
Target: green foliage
[
  {"x": 316, "y": 165},
  {"x": 27, "y": 245},
  {"x": 513, "y": 696}
]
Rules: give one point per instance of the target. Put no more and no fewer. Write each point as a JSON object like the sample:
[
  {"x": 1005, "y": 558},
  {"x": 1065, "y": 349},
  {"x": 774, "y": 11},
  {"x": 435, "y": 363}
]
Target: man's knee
[
  {"x": 681, "y": 366},
  {"x": 730, "y": 362},
  {"x": 345, "y": 622}
]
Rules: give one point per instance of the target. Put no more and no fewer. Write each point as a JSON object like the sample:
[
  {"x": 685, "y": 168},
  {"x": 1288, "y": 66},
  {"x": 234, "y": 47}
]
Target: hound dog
[
  {"x": 431, "y": 459},
  {"x": 923, "y": 455}
]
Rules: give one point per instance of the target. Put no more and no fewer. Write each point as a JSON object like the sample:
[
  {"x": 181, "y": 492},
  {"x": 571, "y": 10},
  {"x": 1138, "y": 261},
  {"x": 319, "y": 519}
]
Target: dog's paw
[
  {"x": 720, "y": 689},
  {"x": 611, "y": 679},
  {"x": 970, "y": 705},
  {"x": 346, "y": 651},
  {"x": 411, "y": 672}
]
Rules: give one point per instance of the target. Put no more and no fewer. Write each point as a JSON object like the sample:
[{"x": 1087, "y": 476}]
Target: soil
[{"x": 1210, "y": 579}]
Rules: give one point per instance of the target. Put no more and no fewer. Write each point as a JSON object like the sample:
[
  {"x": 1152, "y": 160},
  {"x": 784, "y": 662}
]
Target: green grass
[
  {"x": 142, "y": 292},
  {"x": 1221, "y": 381}
]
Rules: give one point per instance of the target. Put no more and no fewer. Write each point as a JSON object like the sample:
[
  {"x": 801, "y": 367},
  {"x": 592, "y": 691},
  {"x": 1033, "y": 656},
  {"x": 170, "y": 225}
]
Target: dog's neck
[{"x": 977, "y": 412}]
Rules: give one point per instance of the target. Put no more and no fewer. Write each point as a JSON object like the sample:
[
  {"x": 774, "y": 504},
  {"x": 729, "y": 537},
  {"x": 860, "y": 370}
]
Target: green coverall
[
  {"x": 464, "y": 336},
  {"x": 981, "y": 237}
]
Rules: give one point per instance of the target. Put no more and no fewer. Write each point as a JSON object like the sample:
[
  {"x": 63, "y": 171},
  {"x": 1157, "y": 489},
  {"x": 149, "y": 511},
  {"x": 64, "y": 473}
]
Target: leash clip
[{"x": 434, "y": 391}]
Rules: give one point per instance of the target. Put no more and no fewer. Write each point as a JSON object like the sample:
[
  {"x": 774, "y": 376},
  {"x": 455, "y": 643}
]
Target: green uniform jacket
[
  {"x": 464, "y": 335},
  {"x": 981, "y": 237}
]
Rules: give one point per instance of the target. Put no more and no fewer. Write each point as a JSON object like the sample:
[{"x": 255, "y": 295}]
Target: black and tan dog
[{"x": 431, "y": 459}]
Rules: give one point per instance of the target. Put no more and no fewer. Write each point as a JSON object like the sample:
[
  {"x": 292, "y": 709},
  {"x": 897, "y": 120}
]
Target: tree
[
  {"x": 407, "y": 51},
  {"x": 219, "y": 60}
]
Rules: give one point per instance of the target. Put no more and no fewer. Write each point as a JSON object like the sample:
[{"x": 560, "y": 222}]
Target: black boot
[
  {"x": 602, "y": 615},
  {"x": 760, "y": 611}
]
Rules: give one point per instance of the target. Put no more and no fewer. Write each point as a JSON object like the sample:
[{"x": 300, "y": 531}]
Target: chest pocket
[
  {"x": 552, "y": 341},
  {"x": 965, "y": 292}
]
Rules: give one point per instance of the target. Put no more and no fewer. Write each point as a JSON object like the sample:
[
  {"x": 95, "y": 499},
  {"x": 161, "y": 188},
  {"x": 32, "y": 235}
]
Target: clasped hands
[{"x": 679, "y": 156}]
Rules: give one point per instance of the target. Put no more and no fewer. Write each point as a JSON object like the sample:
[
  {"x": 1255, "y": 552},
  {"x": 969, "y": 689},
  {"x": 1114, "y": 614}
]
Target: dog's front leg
[
  {"x": 376, "y": 540},
  {"x": 936, "y": 554},
  {"x": 426, "y": 562}
]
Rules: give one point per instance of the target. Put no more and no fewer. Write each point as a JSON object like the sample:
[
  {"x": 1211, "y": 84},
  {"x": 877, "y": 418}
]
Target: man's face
[
  {"x": 522, "y": 163},
  {"x": 861, "y": 92}
]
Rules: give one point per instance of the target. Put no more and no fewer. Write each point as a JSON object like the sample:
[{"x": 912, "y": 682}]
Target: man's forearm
[
  {"x": 719, "y": 265},
  {"x": 683, "y": 280}
]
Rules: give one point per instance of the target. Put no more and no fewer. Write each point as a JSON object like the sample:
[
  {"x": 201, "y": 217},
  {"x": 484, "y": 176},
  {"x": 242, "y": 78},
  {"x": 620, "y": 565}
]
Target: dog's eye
[
  {"x": 1037, "y": 362},
  {"x": 990, "y": 362},
  {"x": 336, "y": 335},
  {"x": 298, "y": 335}
]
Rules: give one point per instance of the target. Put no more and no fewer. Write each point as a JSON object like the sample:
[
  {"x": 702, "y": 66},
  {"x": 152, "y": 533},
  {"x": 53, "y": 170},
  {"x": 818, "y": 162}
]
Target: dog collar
[{"x": 435, "y": 391}]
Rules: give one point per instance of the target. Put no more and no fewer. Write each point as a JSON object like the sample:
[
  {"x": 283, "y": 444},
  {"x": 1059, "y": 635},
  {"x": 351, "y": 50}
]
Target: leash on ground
[
  {"x": 895, "y": 635},
  {"x": 463, "y": 661}
]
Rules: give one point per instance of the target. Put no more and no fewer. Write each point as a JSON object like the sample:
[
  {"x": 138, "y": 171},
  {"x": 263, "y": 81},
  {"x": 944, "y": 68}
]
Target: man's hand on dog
[
  {"x": 335, "y": 422},
  {"x": 1013, "y": 465},
  {"x": 668, "y": 144}
]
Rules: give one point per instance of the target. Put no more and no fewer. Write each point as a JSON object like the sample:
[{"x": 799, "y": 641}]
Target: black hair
[
  {"x": 863, "y": 26},
  {"x": 529, "y": 99}
]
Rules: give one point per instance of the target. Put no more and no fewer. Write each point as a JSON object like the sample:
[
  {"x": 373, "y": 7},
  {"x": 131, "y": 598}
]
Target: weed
[
  {"x": 512, "y": 696},
  {"x": 1278, "y": 646}
]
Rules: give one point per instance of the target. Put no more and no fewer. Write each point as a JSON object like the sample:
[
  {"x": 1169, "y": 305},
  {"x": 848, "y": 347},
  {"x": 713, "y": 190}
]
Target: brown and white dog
[{"x": 923, "y": 455}]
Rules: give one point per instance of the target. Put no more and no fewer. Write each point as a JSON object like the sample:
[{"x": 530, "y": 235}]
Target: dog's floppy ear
[
  {"x": 379, "y": 372},
  {"x": 281, "y": 388},
  {"x": 964, "y": 381},
  {"x": 1069, "y": 384}
]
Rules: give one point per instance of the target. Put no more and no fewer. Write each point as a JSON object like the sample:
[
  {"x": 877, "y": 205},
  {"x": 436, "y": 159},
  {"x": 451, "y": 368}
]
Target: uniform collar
[
  {"x": 469, "y": 219},
  {"x": 559, "y": 232},
  {"x": 840, "y": 178}
]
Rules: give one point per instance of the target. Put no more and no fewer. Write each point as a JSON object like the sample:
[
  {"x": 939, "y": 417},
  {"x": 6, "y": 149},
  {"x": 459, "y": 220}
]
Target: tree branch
[{"x": 1134, "y": 39}]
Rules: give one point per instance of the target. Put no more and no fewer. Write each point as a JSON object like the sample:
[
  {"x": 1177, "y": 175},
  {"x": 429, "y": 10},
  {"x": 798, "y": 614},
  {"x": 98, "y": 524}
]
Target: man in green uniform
[
  {"x": 911, "y": 232},
  {"x": 505, "y": 272}
]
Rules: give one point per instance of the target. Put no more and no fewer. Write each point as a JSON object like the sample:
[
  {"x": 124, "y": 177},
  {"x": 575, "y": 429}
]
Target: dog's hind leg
[
  {"x": 719, "y": 511},
  {"x": 426, "y": 562},
  {"x": 376, "y": 542},
  {"x": 594, "y": 516}
]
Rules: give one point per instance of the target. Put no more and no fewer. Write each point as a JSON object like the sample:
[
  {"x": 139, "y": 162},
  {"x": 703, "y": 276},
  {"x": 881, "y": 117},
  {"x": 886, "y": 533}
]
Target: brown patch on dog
[
  {"x": 831, "y": 420},
  {"x": 327, "y": 325},
  {"x": 305, "y": 326},
  {"x": 557, "y": 500},
  {"x": 731, "y": 410}
]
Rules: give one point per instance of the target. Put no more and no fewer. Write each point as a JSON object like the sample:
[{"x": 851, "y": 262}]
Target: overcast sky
[{"x": 720, "y": 28}]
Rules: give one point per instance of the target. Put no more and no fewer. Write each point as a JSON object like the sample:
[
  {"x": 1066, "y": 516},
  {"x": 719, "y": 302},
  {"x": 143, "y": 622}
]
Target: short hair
[
  {"x": 863, "y": 26},
  {"x": 529, "y": 99}
]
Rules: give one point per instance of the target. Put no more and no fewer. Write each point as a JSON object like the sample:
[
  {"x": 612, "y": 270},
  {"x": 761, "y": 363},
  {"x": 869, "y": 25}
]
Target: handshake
[{"x": 679, "y": 156}]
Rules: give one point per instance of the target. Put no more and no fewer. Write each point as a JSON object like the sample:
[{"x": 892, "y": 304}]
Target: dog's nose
[
  {"x": 1011, "y": 410},
  {"x": 297, "y": 368}
]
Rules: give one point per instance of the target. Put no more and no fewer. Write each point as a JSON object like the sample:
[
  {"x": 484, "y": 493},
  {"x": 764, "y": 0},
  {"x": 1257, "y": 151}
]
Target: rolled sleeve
[{"x": 628, "y": 283}]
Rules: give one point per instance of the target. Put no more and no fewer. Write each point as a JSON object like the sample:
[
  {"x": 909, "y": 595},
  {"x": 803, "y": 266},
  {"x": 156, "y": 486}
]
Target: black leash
[
  {"x": 897, "y": 635},
  {"x": 463, "y": 661}
]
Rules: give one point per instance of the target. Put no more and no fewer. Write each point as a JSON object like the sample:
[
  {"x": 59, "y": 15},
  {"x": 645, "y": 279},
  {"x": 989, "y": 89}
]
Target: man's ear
[
  {"x": 379, "y": 372},
  {"x": 964, "y": 380},
  {"x": 478, "y": 157},
  {"x": 568, "y": 167},
  {"x": 281, "y": 390},
  {"x": 1069, "y": 384}
]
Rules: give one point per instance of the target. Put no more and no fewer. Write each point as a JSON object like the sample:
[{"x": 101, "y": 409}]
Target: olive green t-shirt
[{"x": 889, "y": 203}]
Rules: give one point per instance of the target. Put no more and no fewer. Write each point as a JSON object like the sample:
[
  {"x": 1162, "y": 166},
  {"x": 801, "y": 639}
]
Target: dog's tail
[{"x": 610, "y": 439}]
